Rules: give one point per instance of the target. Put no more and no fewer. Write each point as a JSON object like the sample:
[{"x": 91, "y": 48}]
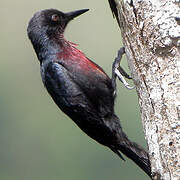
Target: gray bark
[{"x": 151, "y": 36}]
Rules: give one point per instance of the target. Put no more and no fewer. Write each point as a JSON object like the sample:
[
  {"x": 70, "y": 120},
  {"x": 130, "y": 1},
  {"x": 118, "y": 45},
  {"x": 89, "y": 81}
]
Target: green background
[{"x": 37, "y": 141}]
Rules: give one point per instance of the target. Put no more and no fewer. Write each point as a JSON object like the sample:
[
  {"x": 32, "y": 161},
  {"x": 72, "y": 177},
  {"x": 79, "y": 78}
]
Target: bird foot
[{"x": 118, "y": 71}]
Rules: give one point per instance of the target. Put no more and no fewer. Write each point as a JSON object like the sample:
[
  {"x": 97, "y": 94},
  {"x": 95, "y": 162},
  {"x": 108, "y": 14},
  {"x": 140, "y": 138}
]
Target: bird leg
[{"x": 118, "y": 71}]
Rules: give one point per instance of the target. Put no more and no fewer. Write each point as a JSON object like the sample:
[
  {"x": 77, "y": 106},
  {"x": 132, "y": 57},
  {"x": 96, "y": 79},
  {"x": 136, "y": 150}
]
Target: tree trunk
[{"x": 151, "y": 36}]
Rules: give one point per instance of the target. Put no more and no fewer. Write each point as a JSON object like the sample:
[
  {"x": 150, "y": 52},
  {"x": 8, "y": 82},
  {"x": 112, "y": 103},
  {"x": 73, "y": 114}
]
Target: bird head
[{"x": 47, "y": 26}]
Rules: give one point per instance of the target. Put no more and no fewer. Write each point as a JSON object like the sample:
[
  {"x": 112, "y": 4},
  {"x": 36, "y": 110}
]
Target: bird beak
[{"x": 73, "y": 14}]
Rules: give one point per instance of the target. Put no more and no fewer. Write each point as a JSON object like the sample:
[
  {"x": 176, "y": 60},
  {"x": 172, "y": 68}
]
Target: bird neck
[{"x": 48, "y": 46}]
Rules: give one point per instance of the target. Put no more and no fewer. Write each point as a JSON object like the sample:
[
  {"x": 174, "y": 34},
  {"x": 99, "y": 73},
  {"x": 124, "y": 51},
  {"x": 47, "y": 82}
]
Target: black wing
[
  {"x": 95, "y": 85},
  {"x": 61, "y": 87},
  {"x": 71, "y": 99}
]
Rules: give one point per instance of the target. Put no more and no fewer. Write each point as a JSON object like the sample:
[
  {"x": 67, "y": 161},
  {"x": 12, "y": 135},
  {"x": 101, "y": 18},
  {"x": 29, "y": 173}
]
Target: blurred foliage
[{"x": 37, "y": 140}]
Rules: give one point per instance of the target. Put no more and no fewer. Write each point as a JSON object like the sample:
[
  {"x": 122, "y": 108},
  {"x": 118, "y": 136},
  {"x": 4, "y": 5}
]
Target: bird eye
[{"x": 55, "y": 18}]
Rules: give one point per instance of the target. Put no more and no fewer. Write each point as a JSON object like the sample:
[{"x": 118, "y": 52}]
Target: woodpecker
[{"x": 78, "y": 86}]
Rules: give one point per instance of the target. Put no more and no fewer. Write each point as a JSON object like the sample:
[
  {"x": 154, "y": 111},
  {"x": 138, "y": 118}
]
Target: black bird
[{"x": 79, "y": 87}]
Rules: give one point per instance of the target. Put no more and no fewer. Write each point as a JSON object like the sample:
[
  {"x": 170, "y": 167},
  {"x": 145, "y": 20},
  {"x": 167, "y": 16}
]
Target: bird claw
[
  {"x": 118, "y": 71},
  {"x": 122, "y": 79}
]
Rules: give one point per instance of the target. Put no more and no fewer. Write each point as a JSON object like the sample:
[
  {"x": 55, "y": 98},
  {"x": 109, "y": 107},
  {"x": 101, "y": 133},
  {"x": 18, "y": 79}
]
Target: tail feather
[
  {"x": 117, "y": 152},
  {"x": 138, "y": 155},
  {"x": 135, "y": 152}
]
